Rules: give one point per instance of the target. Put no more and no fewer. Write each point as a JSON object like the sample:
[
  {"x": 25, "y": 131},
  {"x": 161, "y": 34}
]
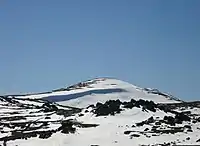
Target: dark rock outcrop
[
  {"x": 148, "y": 121},
  {"x": 67, "y": 127},
  {"x": 135, "y": 135},
  {"x": 110, "y": 107}
]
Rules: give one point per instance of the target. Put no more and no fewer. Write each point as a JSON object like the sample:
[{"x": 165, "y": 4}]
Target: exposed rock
[
  {"x": 189, "y": 130},
  {"x": 111, "y": 107},
  {"x": 90, "y": 106},
  {"x": 165, "y": 144},
  {"x": 148, "y": 121},
  {"x": 33, "y": 128},
  {"x": 86, "y": 111},
  {"x": 80, "y": 115},
  {"x": 188, "y": 138},
  {"x": 188, "y": 127},
  {"x": 169, "y": 120},
  {"x": 129, "y": 105},
  {"x": 180, "y": 117},
  {"x": 158, "y": 123},
  {"x": 194, "y": 121},
  {"x": 45, "y": 135},
  {"x": 148, "y": 136},
  {"x": 67, "y": 127},
  {"x": 86, "y": 125},
  {"x": 127, "y": 132},
  {"x": 135, "y": 135},
  {"x": 147, "y": 129}
]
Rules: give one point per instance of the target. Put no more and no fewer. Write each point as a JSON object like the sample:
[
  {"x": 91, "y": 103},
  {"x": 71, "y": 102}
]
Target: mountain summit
[
  {"x": 96, "y": 90},
  {"x": 98, "y": 112}
]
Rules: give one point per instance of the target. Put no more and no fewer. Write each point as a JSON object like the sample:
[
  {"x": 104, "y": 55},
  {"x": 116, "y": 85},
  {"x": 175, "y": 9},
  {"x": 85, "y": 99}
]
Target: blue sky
[{"x": 46, "y": 44}]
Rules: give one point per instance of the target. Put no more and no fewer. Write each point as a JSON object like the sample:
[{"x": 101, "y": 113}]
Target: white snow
[
  {"x": 128, "y": 92},
  {"x": 110, "y": 132}
]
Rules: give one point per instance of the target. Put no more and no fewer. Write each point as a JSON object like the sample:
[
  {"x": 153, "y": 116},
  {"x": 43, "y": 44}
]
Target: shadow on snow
[{"x": 58, "y": 98}]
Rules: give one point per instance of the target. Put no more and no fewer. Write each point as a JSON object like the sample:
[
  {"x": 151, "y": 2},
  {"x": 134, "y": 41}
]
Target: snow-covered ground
[
  {"x": 121, "y": 128},
  {"x": 101, "y": 90},
  {"x": 110, "y": 132}
]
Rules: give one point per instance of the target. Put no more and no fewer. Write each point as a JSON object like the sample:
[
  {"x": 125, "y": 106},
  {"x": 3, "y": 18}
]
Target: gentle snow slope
[
  {"x": 111, "y": 132},
  {"x": 101, "y": 90}
]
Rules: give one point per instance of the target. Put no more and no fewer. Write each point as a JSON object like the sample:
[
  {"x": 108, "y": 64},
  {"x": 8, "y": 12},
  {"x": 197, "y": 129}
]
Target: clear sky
[{"x": 47, "y": 44}]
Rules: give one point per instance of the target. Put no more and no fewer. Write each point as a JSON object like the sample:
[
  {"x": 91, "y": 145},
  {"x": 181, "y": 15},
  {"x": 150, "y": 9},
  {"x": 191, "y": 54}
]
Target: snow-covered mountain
[
  {"x": 98, "y": 112},
  {"x": 100, "y": 90}
]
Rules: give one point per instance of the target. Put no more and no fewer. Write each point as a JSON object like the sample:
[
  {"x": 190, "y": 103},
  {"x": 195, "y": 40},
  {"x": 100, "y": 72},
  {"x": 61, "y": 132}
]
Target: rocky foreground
[
  {"x": 36, "y": 121},
  {"x": 27, "y": 118}
]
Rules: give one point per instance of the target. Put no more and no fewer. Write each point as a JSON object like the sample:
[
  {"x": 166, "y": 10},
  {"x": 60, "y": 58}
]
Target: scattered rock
[
  {"x": 127, "y": 132},
  {"x": 188, "y": 127},
  {"x": 86, "y": 111},
  {"x": 173, "y": 142},
  {"x": 80, "y": 115},
  {"x": 67, "y": 127},
  {"x": 45, "y": 135},
  {"x": 135, "y": 135},
  {"x": 90, "y": 106},
  {"x": 188, "y": 138},
  {"x": 110, "y": 107},
  {"x": 165, "y": 144},
  {"x": 158, "y": 123},
  {"x": 180, "y": 117},
  {"x": 147, "y": 129},
  {"x": 148, "y": 136},
  {"x": 189, "y": 130},
  {"x": 169, "y": 120},
  {"x": 85, "y": 125},
  {"x": 130, "y": 104},
  {"x": 148, "y": 121}
]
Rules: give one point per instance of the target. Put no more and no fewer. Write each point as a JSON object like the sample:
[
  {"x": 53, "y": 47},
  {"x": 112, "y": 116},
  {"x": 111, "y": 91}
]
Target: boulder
[{"x": 188, "y": 138}]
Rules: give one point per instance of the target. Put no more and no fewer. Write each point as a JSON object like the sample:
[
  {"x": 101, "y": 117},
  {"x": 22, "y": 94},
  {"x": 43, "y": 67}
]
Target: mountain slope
[
  {"x": 36, "y": 122},
  {"x": 111, "y": 113},
  {"x": 101, "y": 90}
]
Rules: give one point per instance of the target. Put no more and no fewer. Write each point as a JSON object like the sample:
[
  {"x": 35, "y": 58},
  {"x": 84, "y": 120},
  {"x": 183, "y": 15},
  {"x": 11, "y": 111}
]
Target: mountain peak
[{"x": 96, "y": 90}]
